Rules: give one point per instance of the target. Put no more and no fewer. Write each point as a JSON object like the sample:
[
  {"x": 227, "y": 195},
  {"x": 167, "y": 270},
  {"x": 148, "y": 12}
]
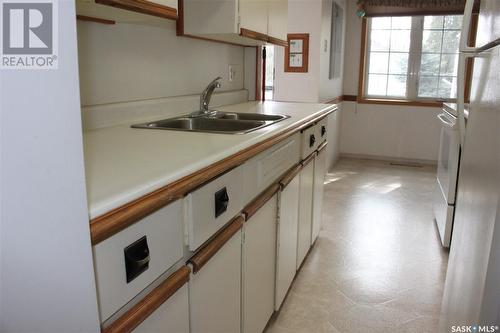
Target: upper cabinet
[
  {"x": 277, "y": 22},
  {"x": 132, "y": 11},
  {"x": 243, "y": 22}
]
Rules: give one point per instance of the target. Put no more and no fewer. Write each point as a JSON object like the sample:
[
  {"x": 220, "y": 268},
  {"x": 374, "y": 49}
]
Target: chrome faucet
[{"x": 205, "y": 97}]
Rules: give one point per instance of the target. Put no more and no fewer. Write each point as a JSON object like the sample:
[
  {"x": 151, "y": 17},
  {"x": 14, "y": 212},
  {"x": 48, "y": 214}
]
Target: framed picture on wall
[{"x": 297, "y": 53}]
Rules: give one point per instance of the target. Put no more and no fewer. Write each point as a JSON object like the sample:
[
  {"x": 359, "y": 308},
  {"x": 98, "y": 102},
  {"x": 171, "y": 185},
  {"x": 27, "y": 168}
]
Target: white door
[
  {"x": 305, "y": 212},
  {"x": 319, "y": 178},
  {"x": 171, "y": 317},
  {"x": 286, "y": 258},
  {"x": 215, "y": 291},
  {"x": 449, "y": 154},
  {"x": 259, "y": 265}
]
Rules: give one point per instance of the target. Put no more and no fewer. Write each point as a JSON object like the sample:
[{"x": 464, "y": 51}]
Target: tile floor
[{"x": 377, "y": 265}]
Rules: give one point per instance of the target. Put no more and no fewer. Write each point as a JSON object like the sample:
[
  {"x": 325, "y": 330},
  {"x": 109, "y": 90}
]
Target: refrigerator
[{"x": 472, "y": 290}]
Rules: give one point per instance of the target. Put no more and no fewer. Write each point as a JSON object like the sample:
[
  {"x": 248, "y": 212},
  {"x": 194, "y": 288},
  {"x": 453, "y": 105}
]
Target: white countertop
[{"x": 123, "y": 164}]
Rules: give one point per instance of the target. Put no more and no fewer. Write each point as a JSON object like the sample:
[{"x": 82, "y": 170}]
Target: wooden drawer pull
[
  {"x": 290, "y": 175},
  {"x": 308, "y": 159},
  {"x": 142, "y": 310},
  {"x": 260, "y": 201},
  {"x": 209, "y": 250},
  {"x": 322, "y": 146}
]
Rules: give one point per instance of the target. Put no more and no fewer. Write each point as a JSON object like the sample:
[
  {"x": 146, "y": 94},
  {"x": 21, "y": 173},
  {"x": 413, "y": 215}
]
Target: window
[{"x": 412, "y": 57}]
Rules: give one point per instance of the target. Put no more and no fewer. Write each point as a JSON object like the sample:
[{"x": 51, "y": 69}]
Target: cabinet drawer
[
  {"x": 159, "y": 234},
  {"x": 210, "y": 207},
  {"x": 309, "y": 141},
  {"x": 322, "y": 130},
  {"x": 265, "y": 168}
]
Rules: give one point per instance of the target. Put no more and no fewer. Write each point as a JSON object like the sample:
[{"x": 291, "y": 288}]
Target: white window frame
[{"x": 414, "y": 62}]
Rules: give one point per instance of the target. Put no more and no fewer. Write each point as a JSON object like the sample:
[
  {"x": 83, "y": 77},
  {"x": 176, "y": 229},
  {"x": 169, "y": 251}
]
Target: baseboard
[{"x": 389, "y": 159}]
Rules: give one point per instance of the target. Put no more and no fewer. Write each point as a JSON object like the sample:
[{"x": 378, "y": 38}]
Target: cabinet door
[
  {"x": 278, "y": 19},
  {"x": 287, "y": 239},
  {"x": 258, "y": 271},
  {"x": 319, "y": 177},
  {"x": 253, "y": 15},
  {"x": 215, "y": 291},
  {"x": 305, "y": 212},
  {"x": 171, "y": 316}
]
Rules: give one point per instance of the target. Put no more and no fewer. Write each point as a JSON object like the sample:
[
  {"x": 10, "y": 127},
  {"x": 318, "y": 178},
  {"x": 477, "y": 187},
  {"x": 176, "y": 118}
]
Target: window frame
[{"x": 414, "y": 63}]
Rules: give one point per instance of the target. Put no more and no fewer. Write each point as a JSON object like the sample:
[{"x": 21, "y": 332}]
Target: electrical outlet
[{"x": 234, "y": 72}]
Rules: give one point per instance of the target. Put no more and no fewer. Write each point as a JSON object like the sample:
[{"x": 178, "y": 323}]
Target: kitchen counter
[{"x": 123, "y": 164}]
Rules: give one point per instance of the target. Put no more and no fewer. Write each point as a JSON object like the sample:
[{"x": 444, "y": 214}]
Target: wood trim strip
[
  {"x": 322, "y": 146},
  {"x": 350, "y": 98},
  {"x": 399, "y": 102},
  {"x": 209, "y": 250},
  {"x": 253, "y": 34},
  {"x": 94, "y": 19},
  {"x": 290, "y": 175},
  {"x": 142, "y": 310},
  {"x": 143, "y": 7},
  {"x": 362, "y": 59},
  {"x": 277, "y": 41},
  {"x": 308, "y": 159},
  {"x": 260, "y": 201},
  {"x": 108, "y": 224},
  {"x": 335, "y": 100}
]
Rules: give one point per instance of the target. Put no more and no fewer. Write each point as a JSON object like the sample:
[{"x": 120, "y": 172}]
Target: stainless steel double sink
[{"x": 216, "y": 122}]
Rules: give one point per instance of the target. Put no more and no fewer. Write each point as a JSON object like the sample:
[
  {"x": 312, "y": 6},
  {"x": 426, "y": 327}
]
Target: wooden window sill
[{"x": 399, "y": 102}]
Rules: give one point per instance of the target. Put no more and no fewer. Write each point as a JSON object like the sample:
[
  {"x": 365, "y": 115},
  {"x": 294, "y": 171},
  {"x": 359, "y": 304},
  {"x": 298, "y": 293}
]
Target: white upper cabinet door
[
  {"x": 319, "y": 178},
  {"x": 253, "y": 15},
  {"x": 278, "y": 19},
  {"x": 305, "y": 212},
  {"x": 168, "y": 3}
]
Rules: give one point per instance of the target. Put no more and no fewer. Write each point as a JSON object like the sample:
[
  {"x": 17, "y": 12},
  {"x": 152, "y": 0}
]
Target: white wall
[
  {"x": 128, "y": 62},
  {"x": 313, "y": 17},
  {"x": 382, "y": 131},
  {"x": 47, "y": 281},
  {"x": 304, "y": 16}
]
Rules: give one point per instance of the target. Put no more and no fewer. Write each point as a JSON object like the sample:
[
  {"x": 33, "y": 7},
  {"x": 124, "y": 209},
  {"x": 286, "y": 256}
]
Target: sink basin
[
  {"x": 221, "y": 122},
  {"x": 250, "y": 116}
]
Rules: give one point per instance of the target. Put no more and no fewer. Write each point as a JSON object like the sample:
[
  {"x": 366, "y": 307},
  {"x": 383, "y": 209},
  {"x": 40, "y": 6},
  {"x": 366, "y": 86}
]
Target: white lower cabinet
[
  {"x": 215, "y": 291},
  {"x": 305, "y": 212},
  {"x": 319, "y": 178},
  {"x": 258, "y": 270},
  {"x": 171, "y": 317},
  {"x": 286, "y": 256}
]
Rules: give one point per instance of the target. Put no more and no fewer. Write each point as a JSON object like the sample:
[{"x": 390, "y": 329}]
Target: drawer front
[
  {"x": 114, "y": 265},
  {"x": 171, "y": 316},
  {"x": 265, "y": 168},
  {"x": 210, "y": 207},
  {"x": 309, "y": 141},
  {"x": 322, "y": 130}
]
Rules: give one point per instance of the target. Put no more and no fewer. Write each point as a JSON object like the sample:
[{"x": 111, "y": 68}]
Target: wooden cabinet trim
[
  {"x": 143, "y": 7},
  {"x": 308, "y": 159},
  {"x": 142, "y": 310},
  {"x": 260, "y": 201},
  {"x": 212, "y": 247},
  {"x": 290, "y": 175},
  {"x": 108, "y": 224},
  {"x": 277, "y": 41},
  {"x": 94, "y": 19},
  {"x": 322, "y": 146},
  {"x": 253, "y": 35}
]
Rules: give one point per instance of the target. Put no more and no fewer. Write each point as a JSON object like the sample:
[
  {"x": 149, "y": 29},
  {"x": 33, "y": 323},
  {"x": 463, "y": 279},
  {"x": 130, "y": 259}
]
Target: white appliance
[
  {"x": 471, "y": 294},
  {"x": 447, "y": 174}
]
